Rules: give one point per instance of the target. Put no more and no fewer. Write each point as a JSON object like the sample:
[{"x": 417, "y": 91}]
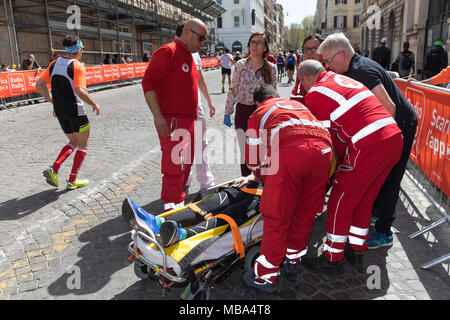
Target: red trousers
[
  {"x": 355, "y": 187},
  {"x": 177, "y": 158},
  {"x": 290, "y": 201}
]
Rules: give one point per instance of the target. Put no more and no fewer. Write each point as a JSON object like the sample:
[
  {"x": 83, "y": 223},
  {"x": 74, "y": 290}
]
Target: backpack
[{"x": 406, "y": 61}]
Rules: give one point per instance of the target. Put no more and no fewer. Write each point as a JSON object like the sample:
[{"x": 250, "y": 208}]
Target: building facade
[
  {"x": 107, "y": 27},
  {"x": 339, "y": 16},
  {"x": 420, "y": 22},
  {"x": 242, "y": 18},
  {"x": 245, "y": 17}
]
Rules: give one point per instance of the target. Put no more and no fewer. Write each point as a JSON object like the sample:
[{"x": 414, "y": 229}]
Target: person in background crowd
[
  {"x": 382, "y": 54},
  {"x": 290, "y": 66},
  {"x": 249, "y": 73},
  {"x": 237, "y": 57},
  {"x": 367, "y": 142},
  {"x": 280, "y": 66},
  {"x": 145, "y": 58},
  {"x": 226, "y": 59},
  {"x": 108, "y": 59},
  {"x": 271, "y": 58},
  {"x": 30, "y": 63},
  {"x": 4, "y": 68},
  {"x": 442, "y": 77},
  {"x": 405, "y": 61},
  {"x": 435, "y": 60},
  {"x": 67, "y": 76},
  {"x": 310, "y": 45},
  {"x": 339, "y": 56},
  {"x": 172, "y": 66}
]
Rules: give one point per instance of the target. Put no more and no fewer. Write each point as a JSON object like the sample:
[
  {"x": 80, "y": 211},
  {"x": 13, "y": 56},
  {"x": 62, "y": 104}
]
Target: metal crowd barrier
[{"x": 433, "y": 193}]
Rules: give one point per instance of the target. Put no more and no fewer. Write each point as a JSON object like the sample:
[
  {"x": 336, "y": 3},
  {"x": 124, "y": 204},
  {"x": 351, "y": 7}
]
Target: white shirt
[
  {"x": 198, "y": 63},
  {"x": 226, "y": 60}
]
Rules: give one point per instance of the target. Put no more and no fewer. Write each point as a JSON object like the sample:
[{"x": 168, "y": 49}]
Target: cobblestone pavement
[{"x": 48, "y": 234}]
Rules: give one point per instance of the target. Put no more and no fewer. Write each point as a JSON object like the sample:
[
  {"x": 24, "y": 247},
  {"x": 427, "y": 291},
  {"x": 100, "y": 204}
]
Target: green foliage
[{"x": 293, "y": 39}]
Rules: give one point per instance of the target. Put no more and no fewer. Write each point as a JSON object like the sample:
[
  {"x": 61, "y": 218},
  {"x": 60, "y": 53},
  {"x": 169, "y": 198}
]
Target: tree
[{"x": 293, "y": 39}]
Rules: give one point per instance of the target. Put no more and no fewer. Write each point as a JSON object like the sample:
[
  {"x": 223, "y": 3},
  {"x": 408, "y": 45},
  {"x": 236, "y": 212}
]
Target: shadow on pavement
[
  {"x": 424, "y": 248},
  {"x": 18, "y": 208},
  {"x": 104, "y": 253}
]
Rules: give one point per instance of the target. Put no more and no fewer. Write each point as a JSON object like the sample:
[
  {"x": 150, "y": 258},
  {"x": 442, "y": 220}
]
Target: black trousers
[
  {"x": 239, "y": 205},
  {"x": 384, "y": 206},
  {"x": 243, "y": 112}
]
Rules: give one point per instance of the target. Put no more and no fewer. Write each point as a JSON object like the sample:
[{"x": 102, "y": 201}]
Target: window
[
  {"x": 340, "y": 22},
  {"x": 219, "y": 22},
  {"x": 338, "y": 2},
  {"x": 236, "y": 1},
  {"x": 219, "y": 2},
  {"x": 253, "y": 17},
  {"x": 236, "y": 21},
  {"x": 355, "y": 21},
  {"x": 357, "y": 1}
]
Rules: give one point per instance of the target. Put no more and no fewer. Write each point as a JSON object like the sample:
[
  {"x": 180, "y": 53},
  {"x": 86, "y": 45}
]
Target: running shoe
[
  {"x": 322, "y": 266},
  {"x": 379, "y": 239},
  {"x": 373, "y": 221},
  {"x": 145, "y": 220},
  {"x": 170, "y": 233},
  {"x": 51, "y": 177},
  {"x": 78, "y": 183},
  {"x": 250, "y": 279}
]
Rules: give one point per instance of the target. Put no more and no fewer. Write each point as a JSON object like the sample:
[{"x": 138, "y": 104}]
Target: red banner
[
  {"x": 23, "y": 82},
  {"x": 431, "y": 148}
]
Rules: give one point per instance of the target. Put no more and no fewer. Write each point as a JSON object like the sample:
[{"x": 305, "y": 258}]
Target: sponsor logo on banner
[
  {"x": 431, "y": 148},
  {"x": 17, "y": 83}
]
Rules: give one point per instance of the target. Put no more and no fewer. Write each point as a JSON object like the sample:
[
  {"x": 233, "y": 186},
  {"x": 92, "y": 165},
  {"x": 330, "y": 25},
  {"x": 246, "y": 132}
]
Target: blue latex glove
[{"x": 227, "y": 120}]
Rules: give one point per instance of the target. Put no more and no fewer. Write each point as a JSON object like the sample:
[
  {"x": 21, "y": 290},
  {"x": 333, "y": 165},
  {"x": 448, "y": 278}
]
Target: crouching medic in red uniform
[
  {"x": 289, "y": 150},
  {"x": 170, "y": 86},
  {"x": 367, "y": 142}
]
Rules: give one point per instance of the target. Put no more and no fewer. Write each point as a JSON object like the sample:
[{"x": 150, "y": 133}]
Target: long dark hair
[{"x": 266, "y": 70}]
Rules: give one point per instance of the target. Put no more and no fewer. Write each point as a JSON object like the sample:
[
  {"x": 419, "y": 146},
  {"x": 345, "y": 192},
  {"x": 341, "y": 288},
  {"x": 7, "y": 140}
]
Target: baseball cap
[
  {"x": 438, "y": 43},
  {"x": 384, "y": 40}
]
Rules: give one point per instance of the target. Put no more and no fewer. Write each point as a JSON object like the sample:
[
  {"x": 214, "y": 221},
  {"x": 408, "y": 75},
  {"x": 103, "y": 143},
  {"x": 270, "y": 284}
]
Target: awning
[{"x": 202, "y": 9}]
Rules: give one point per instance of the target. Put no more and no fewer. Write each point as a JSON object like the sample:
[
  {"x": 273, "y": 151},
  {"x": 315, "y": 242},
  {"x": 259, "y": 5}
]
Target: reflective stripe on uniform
[
  {"x": 332, "y": 250},
  {"x": 359, "y": 231},
  {"x": 336, "y": 238},
  {"x": 356, "y": 241},
  {"x": 292, "y": 254},
  {"x": 371, "y": 128},
  {"x": 350, "y": 103}
]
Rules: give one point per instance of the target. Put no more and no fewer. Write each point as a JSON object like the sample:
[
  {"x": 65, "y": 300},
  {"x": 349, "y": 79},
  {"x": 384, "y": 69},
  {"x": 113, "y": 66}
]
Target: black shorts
[
  {"x": 73, "y": 124},
  {"x": 226, "y": 71},
  {"x": 290, "y": 66}
]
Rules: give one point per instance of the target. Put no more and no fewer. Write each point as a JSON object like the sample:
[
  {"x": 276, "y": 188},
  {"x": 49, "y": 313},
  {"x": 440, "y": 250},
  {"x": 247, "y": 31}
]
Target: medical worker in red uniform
[
  {"x": 170, "y": 86},
  {"x": 368, "y": 144},
  {"x": 291, "y": 151}
]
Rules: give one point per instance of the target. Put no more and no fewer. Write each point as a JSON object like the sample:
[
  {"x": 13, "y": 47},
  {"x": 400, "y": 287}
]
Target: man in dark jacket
[
  {"x": 405, "y": 61},
  {"x": 435, "y": 60},
  {"x": 382, "y": 54}
]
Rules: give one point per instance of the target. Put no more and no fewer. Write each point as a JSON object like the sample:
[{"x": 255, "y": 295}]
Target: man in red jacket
[
  {"x": 294, "y": 169},
  {"x": 368, "y": 144},
  {"x": 173, "y": 68}
]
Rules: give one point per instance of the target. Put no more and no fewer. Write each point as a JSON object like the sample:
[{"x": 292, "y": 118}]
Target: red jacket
[
  {"x": 172, "y": 73},
  {"x": 271, "y": 59},
  {"x": 354, "y": 115},
  {"x": 273, "y": 122}
]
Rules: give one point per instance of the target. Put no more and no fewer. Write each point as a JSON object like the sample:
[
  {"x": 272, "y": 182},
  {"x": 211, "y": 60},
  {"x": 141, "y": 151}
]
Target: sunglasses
[
  {"x": 257, "y": 43},
  {"x": 199, "y": 36}
]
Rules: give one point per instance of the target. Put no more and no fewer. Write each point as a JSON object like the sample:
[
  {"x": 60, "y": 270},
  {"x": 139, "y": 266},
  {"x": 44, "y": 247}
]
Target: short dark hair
[
  {"x": 227, "y": 50},
  {"x": 263, "y": 92},
  {"x": 179, "y": 29},
  {"x": 70, "y": 40},
  {"x": 313, "y": 36}
]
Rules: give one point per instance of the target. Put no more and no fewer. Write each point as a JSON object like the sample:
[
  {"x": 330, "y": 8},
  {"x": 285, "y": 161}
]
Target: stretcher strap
[
  {"x": 255, "y": 191},
  {"x": 198, "y": 210},
  {"x": 238, "y": 244}
]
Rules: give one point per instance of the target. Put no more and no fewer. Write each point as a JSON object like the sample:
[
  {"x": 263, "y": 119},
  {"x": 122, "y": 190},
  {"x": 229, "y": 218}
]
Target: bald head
[
  {"x": 194, "y": 34},
  {"x": 308, "y": 72}
]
